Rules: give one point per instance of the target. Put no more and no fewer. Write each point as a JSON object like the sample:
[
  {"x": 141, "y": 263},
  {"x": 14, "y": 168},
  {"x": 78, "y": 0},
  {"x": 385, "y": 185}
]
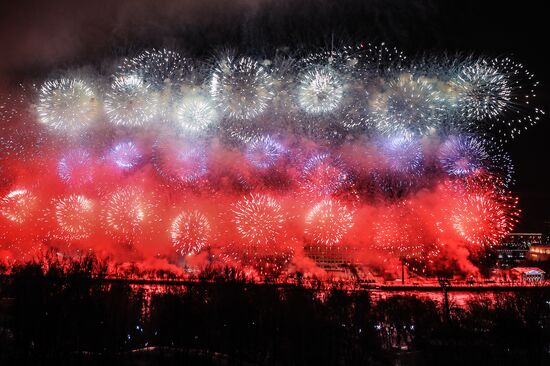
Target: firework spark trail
[
  {"x": 274, "y": 155},
  {"x": 74, "y": 216},
  {"x": 320, "y": 90},
  {"x": 242, "y": 87},
  {"x": 130, "y": 102},
  {"x": 264, "y": 152},
  {"x": 76, "y": 168},
  {"x": 327, "y": 222},
  {"x": 125, "y": 155},
  {"x": 466, "y": 156},
  {"x": 259, "y": 219},
  {"x": 18, "y": 205},
  {"x": 67, "y": 104},
  {"x": 190, "y": 232},
  {"x": 125, "y": 213}
]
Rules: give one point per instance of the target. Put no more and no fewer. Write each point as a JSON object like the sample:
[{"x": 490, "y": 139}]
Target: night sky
[{"x": 38, "y": 37}]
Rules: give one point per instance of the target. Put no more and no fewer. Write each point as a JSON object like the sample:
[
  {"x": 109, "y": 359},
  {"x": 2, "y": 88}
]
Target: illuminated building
[
  {"x": 332, "y": 258},
  {"x": 514, "y": 248},
  {"x": 528, "y": 274},
  {"x": 539, "y": 253}
]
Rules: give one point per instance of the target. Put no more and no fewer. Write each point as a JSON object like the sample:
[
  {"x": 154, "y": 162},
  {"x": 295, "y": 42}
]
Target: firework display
[
  {"x": 180, "y": 162},
  {"x": 258, "y": 219},
  {"x": 67, "y": 104},
  {"x": 241, "y": 87},
  {"x": 328, "y": 222},
  {"x": 124, "y": 155},
  {"x": 466, "y": 156},
  {"x": 130, "y": 101},
  {"x": 17, "y": 206},
  {"x": 247, "y": 161},
  {"x": 190, "y": 232},
  {"x": 320, "y": 90},
  {"x": 165, "y": 70},
  {"x": 194, "y": 114},
  {"x": 323, "y": 175},
  {"x": 76, "y": 168},
  {"x": 74, "y": 216},
  {"x": 125, "y": 213},
  {"x": 263, "y": 152},
  {"x": 408, "y": 105},
  {"x": 402, "y": 154}
]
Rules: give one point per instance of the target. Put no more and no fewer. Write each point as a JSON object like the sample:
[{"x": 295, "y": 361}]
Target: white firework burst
[
  {"x": 259, "y": 219},
  {"x": 130, "y": 102},
  {"x": 74, "y": 216},
  {"x": 328, "y": 221},
  {"x": 483, "y": 91},
  {"x": 166, "y": 72},
  {"x": 68, "y": 105},
  {"x": 18, "y": 206},
  {"x": 190, "y": 232},
  {"x": 125, "y": 212},
  {"x": 407, "y": 106},
  {"x": 242, "y": 87},
  {"x": 497, "y": 95},
  {"x": 195, "y": 113},
  {"x": 161, "y": 69},
  {"x": 320, "y": 90}
]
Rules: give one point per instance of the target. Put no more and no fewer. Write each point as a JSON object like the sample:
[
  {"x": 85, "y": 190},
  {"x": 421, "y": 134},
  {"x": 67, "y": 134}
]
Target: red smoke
[{"x": 424, "y": 217}]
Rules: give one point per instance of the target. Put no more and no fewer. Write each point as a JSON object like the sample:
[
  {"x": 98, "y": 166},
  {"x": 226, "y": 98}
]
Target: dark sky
[{"x": 38, "y": 36}]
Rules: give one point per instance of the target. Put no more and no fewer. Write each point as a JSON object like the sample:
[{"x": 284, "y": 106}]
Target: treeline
[{"x": 63, "y": 315}]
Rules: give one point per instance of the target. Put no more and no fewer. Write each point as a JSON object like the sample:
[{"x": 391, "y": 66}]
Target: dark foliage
[{"x": 68, "y": 314}]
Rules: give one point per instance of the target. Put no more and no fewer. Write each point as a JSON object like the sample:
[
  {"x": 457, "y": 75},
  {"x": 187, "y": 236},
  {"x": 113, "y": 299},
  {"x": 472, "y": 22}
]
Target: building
[
  {"x": 527, "y": 274},
  {"x": 513, "y": 250},
  {"x": 332, "y": 258},
  {"x": 539, "y": 253}
]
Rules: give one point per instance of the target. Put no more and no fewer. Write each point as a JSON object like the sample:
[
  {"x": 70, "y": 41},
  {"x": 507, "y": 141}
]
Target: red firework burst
[
  {"x": 398, "y": 232},
  {"x": 74, "y": 216},
  {"x": 190, "y": 232},
  {"x": 259, "y": 219},
  {"x": 328, "y": 221},
  {"x": 484, "y": 217}
]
